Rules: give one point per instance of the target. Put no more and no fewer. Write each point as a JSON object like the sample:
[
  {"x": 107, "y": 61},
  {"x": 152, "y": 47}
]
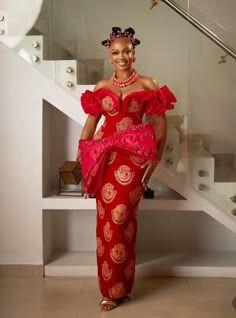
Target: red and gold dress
[{"x": 111, "y": 166}]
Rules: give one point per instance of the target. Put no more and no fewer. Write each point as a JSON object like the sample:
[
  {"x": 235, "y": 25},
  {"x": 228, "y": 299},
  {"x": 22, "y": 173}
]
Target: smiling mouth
[{"x": 121, "y": 62}]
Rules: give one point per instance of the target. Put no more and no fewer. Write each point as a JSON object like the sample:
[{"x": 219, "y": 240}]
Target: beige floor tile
[{"x": 51, "y": 297}]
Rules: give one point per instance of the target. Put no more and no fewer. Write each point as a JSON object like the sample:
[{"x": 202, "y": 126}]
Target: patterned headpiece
[{"x": 117, "y": 33}]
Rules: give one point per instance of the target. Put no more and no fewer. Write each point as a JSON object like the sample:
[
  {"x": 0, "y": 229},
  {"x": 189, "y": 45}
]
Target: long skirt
[{"x": 117, "y": 204}]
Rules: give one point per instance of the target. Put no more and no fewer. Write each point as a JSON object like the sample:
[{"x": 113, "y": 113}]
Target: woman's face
[{"x": 121, "y": 54}]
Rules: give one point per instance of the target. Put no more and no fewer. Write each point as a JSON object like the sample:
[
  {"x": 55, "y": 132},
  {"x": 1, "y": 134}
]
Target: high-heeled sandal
[{"x": 113, "y": 304}]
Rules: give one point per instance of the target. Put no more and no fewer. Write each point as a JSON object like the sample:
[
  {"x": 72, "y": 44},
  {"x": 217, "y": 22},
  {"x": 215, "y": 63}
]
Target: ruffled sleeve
[
  {"x": 91, "y": 103},
  {"x": 160, "y": 101}
]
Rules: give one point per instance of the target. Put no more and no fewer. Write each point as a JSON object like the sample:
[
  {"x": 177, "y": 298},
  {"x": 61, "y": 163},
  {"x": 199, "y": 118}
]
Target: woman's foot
[{"x": 107, "y": 304}]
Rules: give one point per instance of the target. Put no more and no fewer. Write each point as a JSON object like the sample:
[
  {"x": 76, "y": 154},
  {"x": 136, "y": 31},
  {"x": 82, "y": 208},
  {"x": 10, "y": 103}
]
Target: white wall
[
  {"x": 22, "y": 93},
  {"x": 20, "y": 168},
  {"x": 60, "y": 142}
]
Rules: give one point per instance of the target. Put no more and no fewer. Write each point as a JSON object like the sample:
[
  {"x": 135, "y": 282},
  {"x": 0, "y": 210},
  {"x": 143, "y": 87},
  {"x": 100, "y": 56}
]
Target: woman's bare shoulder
[
  {"x": 102, "y": 83},
  {"x": 149, "y": 83}
]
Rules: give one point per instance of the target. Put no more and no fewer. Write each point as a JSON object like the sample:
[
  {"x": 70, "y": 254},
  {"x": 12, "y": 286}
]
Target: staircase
[{"x": 196, "y": 179}]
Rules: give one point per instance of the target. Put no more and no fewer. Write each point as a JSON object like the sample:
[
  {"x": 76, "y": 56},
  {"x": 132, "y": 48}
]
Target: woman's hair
[{"x": 117, "y": 33}]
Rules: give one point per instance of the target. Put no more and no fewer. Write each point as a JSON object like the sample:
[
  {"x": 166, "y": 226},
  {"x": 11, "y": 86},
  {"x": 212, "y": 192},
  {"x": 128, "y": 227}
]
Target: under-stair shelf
[
  {"x": 188, "y": 264},
  {"x": 55, "y": 202},
  {"x": 177, "y": 243}
]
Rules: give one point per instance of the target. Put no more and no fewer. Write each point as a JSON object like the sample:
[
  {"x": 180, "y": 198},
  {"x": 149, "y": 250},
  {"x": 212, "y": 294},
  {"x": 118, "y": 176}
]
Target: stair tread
[{"x": 224, "y": 174}]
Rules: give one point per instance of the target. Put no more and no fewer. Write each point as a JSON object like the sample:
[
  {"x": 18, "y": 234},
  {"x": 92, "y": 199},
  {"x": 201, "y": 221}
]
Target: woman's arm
[
  {"x": 90, "y": 127},
  {"x": 88, "y": 130},
  {"x": 92, "y": 121},
  {"x": 161, "y": 133},
  {"x": 160, "y": 121},
  {"x": 90, "y": 124},
  {"x": 149, "y": 83}
]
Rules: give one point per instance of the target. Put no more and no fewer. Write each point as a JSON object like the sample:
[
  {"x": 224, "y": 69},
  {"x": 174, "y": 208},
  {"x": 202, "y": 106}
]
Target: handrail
[{"x": 202, "y": 28}]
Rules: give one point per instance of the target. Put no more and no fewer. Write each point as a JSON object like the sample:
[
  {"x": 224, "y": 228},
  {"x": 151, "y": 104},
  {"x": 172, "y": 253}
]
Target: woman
[{"x": 119, "y": 159}]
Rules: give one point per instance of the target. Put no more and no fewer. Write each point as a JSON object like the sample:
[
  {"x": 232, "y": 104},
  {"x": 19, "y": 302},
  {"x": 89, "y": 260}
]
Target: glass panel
[
  {"x": 55, "y": 24},
  {"x": 182, "y": 3},
  {"x": 207, "y": 159},
  {"x": 211, "y": 119},
  {"x": 192, "y": 7},
  {"x": 212, "y": 25}
]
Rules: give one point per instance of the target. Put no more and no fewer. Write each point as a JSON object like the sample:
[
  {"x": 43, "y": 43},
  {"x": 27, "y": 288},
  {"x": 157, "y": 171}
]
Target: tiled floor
[{"x": 33, "y": 297}]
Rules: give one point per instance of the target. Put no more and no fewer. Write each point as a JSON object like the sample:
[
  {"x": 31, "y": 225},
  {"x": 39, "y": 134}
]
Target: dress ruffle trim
[
  {"x": 160, "y": 101},
  {"x": 156, "y": 101},
  {"x": 91, "y": 103}
]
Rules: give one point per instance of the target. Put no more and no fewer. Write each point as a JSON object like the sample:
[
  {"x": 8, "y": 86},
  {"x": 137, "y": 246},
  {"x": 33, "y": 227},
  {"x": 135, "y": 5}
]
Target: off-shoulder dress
[{"x": 111, "y": 166}]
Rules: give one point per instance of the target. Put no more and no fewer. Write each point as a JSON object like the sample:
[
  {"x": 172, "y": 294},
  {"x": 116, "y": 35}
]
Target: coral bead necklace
[{"x": 123, "y": 83}]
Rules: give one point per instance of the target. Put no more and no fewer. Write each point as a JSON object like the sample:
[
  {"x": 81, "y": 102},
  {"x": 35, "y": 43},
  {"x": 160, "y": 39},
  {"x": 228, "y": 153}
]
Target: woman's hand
[
  {"x": 78, "y": 156},
  {"x": 150, "y": 166}
]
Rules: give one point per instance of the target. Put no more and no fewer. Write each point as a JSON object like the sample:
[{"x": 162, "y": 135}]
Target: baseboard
[{"x": 36, "y": 271}]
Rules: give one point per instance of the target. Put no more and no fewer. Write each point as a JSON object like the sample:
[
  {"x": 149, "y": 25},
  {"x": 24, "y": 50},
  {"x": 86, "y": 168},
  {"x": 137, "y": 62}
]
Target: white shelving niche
[{"x": 169, "y": 243}]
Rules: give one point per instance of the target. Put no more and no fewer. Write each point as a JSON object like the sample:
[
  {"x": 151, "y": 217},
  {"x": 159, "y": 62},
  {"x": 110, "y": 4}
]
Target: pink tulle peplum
[{"x": 139, "y": 140}]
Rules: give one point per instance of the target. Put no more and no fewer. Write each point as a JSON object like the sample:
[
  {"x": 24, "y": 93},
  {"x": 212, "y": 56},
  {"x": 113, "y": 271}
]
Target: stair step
[
  {"x": 225, "y": 167},
  {"x": 224, "y": 174},
  {"x": 196, "y": 139},
  {"x": 175, "y": 121},
  {"x": 227, "y": 189},
  {"x": 197, "y": 151}
]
